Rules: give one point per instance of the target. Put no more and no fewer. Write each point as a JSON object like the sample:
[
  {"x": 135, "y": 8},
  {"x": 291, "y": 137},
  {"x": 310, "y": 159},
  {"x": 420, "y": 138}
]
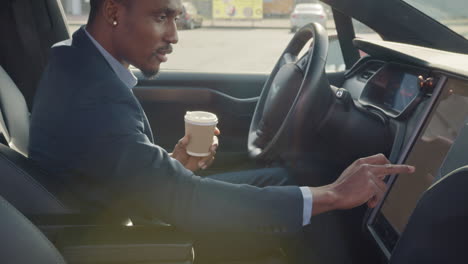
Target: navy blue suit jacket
[{"x": 90, "y": 133}]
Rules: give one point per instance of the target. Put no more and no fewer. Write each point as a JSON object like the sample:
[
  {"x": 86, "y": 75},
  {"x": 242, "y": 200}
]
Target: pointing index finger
[
  {"x": 378, "y": 159},
  {"x": 380, "y": 171}
]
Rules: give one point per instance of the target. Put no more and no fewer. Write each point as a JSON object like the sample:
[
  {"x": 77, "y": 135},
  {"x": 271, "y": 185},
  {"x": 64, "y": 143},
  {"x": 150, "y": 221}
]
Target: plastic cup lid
[{"x": 201, "y": 118}]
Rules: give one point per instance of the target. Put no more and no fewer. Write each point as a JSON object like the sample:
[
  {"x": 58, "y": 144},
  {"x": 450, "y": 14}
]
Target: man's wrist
[{"x": 324, "y": 199}]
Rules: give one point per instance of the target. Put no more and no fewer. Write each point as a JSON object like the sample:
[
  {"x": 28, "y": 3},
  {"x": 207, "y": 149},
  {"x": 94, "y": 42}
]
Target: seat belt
[
  {"x": 28, "y": 31},
  {"x": 3, "y": 131},
  {"x": 34, "y": 56}
]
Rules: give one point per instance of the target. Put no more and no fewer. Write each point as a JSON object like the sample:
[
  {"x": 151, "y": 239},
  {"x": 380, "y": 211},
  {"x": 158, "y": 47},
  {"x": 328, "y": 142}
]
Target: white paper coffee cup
[{"x": 200, "y": 126}]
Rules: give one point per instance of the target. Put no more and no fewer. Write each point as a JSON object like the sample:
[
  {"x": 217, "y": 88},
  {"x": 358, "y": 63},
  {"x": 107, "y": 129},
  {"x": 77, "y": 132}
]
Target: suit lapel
[
  {"x": 148, "y": 131},
  {"x": 82, "y": 41},
  {"x": 147, "y": 127}
]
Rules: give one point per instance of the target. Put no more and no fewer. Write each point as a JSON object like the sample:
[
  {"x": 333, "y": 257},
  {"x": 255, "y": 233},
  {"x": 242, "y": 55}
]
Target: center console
[{"x": 84, "y": 239}]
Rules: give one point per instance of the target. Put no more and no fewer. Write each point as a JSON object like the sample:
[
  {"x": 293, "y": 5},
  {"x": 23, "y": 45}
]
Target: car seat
[
  {"x": 21, "y": 242},
  {"x": 22, "y": 183},
  {"x": 437, "y": 231},
  {"x": 14, "y": 118}
]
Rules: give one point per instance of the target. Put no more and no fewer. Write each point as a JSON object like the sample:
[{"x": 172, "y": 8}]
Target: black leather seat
[
  {"x": 14, "y": 118},
  {"x": 21, "y": 242},
  {"x": 437, "y": 231},
  {"x": 22, "y": 183},
  {"x": 27, "y": 187}
]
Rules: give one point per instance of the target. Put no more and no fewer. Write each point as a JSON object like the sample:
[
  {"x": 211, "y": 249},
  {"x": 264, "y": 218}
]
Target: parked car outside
[
  {"x": 306, "y": 13},
  {"x": 190, "y": 18}
]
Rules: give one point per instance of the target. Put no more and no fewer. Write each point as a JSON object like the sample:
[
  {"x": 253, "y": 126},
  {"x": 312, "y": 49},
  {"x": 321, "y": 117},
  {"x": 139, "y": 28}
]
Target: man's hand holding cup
[{"x": 197, "y": 149}]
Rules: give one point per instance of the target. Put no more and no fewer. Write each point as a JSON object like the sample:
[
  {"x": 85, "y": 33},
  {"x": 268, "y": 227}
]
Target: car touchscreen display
[
  {"x": 393, "y": 88},
  {"x": 427, "y": 154}
]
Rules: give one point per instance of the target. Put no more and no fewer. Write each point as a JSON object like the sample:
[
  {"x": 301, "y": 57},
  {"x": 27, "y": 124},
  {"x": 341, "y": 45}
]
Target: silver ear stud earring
[{"x": 115, "y": 23}]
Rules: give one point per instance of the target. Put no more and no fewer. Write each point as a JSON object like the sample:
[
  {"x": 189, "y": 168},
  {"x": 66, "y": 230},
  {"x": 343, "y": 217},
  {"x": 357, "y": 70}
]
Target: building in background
[
  {"x": 278, "y": 8},
  {"x": 204, "y": 7},
  {"x": 271, "y": 8},
  {"x": 238, "y": 9},
  {"x": 76, "y": 7}
]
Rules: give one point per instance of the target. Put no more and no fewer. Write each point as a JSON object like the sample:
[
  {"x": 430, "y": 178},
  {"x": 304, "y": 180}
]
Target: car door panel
[{"x": 232, "y": 97}]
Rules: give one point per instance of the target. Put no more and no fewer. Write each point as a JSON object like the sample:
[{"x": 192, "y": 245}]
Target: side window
[
  {"x": 235, "y": 35},
  {"x": 365, "y": 32}
]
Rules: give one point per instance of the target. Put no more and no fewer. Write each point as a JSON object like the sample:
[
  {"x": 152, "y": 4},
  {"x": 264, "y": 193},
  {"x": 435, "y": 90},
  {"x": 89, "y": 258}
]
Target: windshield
[
  {"x": 237, "y": 36},
  {"x": 451, "y": 13}
]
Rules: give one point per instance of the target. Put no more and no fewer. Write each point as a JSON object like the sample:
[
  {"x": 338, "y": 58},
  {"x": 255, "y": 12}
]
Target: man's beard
[{"x": 150, "y": 74}]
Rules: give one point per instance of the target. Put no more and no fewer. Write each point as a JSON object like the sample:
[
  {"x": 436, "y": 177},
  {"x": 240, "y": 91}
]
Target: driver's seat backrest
[
  {"x": 437, "y": 231},
  {"x": 22, "y": 183},
  {"x": 30, "y": 189},
  {"x": 21, "y": 242},
  {"x": 14, "y": 117}
]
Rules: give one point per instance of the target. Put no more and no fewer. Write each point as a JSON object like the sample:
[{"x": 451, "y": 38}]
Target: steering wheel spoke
[
  {"x": 288, "y": 58},
  {"x": 303, "y": 62}
]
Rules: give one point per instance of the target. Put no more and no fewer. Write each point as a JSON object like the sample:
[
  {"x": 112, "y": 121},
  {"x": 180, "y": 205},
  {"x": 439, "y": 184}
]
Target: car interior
[{"x": 407, "y": 97}]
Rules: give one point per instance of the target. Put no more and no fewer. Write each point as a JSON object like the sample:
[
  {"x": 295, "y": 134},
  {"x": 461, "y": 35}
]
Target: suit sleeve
[{"x": 134, "y": 167}]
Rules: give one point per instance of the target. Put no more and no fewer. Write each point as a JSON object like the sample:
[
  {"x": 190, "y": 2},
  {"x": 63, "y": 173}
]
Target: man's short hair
[{"x": 95, "y": 5}]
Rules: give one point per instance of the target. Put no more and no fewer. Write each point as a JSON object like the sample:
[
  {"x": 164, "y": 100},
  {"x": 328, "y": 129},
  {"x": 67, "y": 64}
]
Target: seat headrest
[{"x": 14, "y": 118}]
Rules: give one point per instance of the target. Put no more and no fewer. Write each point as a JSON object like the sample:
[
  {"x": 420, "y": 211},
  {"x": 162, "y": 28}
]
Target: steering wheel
[{"x": 295, "y": 98}]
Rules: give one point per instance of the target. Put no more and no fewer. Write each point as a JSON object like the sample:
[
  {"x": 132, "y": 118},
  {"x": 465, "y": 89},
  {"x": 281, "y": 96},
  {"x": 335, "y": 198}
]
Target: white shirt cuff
[{"x": 307, "y": 211}]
